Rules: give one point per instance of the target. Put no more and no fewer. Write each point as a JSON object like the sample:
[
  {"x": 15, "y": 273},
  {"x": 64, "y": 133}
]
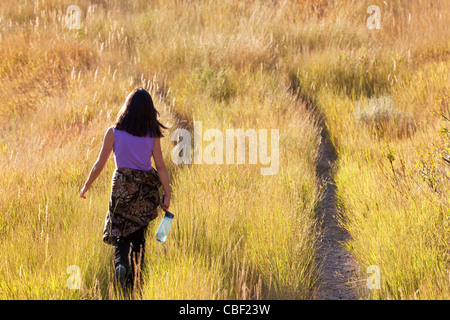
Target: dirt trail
[{"x": 340, "y": 275}]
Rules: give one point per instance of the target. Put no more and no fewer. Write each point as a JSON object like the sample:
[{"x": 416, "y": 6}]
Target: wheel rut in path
[{"x": 340, "y": 278}]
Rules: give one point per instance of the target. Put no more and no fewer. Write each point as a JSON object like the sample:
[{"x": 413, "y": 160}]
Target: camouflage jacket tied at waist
[{"x": 135, "y": 197}]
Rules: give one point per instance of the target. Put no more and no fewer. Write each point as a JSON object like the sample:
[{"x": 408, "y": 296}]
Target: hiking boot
[{"x": 121, "y": 275}]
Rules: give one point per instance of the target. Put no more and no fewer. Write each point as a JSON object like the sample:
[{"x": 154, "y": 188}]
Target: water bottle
[{"x": 164, "y": 227}]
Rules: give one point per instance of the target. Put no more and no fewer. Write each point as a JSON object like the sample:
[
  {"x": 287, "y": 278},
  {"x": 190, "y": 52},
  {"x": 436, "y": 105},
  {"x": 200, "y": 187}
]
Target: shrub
[{"x": 383, "y": 120}]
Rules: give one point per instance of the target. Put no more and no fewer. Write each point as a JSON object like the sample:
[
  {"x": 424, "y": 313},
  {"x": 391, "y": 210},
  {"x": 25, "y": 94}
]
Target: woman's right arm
[{"x": 162, "y": 172}]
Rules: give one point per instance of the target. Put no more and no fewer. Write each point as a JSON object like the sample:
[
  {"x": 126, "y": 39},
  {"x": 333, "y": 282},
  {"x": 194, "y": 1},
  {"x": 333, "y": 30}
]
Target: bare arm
[
  {"x": 162, "y": 171},
  {"x": 103, "y": 157}
]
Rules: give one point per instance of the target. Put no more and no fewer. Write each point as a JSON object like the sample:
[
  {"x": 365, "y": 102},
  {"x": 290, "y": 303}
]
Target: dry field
[{"x": 382, "y": 94}]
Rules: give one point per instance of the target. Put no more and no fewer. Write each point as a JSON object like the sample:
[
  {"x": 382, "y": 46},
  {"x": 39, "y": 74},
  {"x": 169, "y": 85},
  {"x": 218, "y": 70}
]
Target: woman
[{"x": 135, "y": 196}]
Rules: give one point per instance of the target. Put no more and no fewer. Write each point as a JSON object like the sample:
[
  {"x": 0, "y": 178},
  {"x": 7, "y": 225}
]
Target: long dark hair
[{"x": 138, "y": 115}]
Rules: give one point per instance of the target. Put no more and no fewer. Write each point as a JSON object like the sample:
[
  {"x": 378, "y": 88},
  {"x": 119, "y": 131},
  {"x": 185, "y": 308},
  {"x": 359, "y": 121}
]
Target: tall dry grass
[
  {"x": 237, "y": 234},
  {"x": 397, "y": 221},
  {"x": 229, "y": 64}
]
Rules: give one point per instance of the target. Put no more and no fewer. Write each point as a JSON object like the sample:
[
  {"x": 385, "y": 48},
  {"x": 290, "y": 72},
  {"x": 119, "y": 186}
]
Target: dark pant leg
[
  {"x": 121, "y": 252},
  {"x": 121, "y": 257},
  {"x": 137, "y": 254},
  {"x": 129, "y": 251}
]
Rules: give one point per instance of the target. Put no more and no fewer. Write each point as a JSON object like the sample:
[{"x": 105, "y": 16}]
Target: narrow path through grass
[{"x": 340, "y": 275}]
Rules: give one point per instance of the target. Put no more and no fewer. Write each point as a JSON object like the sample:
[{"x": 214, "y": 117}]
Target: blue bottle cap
[{"x": 169, "y": 214}]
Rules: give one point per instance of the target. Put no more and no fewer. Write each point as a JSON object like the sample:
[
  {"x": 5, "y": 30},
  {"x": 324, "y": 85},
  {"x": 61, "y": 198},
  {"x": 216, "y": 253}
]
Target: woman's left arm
[{"x": 103, "y": 157}]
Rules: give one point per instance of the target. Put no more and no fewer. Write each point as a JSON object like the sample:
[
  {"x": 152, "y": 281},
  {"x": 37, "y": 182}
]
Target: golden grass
[
  {"x": 237, "y": 234},
  {"x": 229, "y": 64}
]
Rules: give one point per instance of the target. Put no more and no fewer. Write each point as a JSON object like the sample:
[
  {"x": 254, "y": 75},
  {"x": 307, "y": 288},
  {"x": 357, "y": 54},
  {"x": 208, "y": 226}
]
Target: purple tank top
[{"x": 131, "y": 151}]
